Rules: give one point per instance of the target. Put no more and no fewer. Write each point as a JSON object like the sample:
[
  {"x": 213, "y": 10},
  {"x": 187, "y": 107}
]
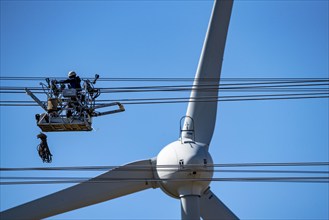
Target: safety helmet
[{"x": 72, "y": 74}]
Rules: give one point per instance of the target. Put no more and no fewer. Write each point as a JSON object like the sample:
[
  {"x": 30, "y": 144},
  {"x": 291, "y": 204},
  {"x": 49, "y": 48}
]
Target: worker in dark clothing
[
  {"x": 74, "y": 83},
  {"x": 43, "y": 148},
  {"x": 73, "y": 80}
]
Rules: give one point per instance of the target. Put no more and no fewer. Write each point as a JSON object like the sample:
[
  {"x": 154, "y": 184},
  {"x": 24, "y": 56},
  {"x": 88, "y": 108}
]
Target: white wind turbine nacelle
[
  {"x": 183, "y": 168},
  {"x": 184, "y": 163}
]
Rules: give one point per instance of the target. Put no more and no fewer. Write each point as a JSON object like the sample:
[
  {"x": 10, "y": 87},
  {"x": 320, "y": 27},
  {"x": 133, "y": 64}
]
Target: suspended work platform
[
  {"x": 71, "y": 109},
  {"x": 61, "y": 123}
]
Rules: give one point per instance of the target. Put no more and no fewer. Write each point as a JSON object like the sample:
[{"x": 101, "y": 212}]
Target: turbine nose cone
[{"x": 184, "y": 168}]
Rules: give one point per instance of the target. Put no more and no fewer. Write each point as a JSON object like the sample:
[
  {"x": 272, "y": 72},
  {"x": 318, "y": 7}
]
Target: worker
[
  {"x": 73, "y": 80},
  {"x": 74, "y": 83},
  {"x": 43, "y": 148}
]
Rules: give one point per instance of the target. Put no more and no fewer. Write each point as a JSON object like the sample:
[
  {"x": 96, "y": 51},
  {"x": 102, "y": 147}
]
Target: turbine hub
[{"x": 184, "y": 168}]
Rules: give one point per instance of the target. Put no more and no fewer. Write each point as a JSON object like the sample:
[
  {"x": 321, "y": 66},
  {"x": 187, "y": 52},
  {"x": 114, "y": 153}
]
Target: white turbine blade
[
  {"x": 212, "y": 208},
  {"x": 190, "y": 207},
  {"x": 120, "y": 181},
  {"x": 201, "y": 108}
]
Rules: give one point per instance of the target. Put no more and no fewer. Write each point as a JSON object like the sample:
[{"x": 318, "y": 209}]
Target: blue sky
[{"x": 164, "y": 39}]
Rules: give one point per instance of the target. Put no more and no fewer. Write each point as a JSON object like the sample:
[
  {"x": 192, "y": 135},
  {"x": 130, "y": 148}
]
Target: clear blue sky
[{"x": 164, "y": 39}]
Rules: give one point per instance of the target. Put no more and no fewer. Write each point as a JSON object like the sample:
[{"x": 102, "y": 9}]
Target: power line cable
[
  {"x": 203, "y": 87},
  {"x": 109, "y": 180},
  {"x": 222, "y": 171},
  {"x": 162, "y": 79},
  {"x": 268, "y": 90},
  {"x": 20, "y": 91},
  {"x": 164, "y": 100},
  {"x": 136, "y": 167}
]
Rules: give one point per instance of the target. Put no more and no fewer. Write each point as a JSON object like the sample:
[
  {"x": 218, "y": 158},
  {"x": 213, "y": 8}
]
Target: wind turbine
[{"x": 183, "y": 169}]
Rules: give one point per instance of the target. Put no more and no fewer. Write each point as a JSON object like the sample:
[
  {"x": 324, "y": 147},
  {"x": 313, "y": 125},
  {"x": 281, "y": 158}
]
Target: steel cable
[
  {"x": 160, "y": 79},
  {"x": 106, "y": 168},
  {"x": 293, "y": 89}
]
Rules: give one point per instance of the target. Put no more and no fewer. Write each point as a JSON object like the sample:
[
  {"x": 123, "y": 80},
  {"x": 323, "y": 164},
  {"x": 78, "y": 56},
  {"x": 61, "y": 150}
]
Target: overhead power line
[
  {"x": 159, "y": 79},
  {"x": 256, "y": 89},
  {"x": 109, "y": 180},
  {"x": 250, "y": 86},
  {"x": 186, "y": 100},
  {"x": 260, "y": 90},
  {"x": 136, "y": 167},
  {"x": 264, "y": 171},
  {"x": 321, "y": 175}
]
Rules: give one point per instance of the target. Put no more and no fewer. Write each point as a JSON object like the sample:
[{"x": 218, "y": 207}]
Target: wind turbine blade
[
  {"x": 190, "y": 207},
  {"x": 208, "y": 74},
  {"x": 212, "y": 208},
  {"x": 120, "y": 181}
]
